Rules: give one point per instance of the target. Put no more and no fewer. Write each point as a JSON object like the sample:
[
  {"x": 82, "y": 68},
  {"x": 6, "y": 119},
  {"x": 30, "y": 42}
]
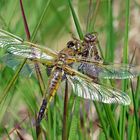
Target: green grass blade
[
  {"x": 65, "y": 113},
  {"x": 77, "y": 24},
  {"x": 108, "y": 111},
  {"x": 136, "y": 107},
  {"x": 12, "y": 82},
  {"x": 125, "y": 60},
  {"x": 40, "y": 20},
  {"x": 100, "y": 115},
  {"x": 112, "y": 122},
  {"x": 94, "y": 16},
  {"x": 74, "y": 121},
  {"x": 109, "y": 55},
  {"x": 135, "y": 118}
]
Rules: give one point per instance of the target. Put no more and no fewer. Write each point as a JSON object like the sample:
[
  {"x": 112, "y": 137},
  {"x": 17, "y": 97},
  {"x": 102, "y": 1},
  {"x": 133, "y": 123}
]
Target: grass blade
[
  {"x": 111, "y": 120},
  {"x": 109, "y": 55},
  {"x": 79, "y": 30},
  {"x": 65, "y": 114},
  {"x": 74, "y": 121},
  {"x": 102, "y": 121},
  {"x": 125, "y": 60},
  {"x": 11, "y": 82},
  {"x": 110, "y": 46}
]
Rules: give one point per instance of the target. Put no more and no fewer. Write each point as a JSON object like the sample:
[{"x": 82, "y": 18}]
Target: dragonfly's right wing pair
[{"x": 18, "y": 47}]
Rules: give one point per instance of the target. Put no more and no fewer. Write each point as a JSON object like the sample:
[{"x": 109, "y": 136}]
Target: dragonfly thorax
[{"x": 61, "y": 60}]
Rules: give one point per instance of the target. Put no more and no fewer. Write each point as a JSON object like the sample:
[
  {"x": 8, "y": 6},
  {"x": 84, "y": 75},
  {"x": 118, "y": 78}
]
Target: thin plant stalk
[
  {"x": 38, "y": 72},
  {"x": 25, "y": 21},
  {"x": 78, "y": 27},
  {"x": 39, "y": 76},
  {"x": 89, "y": 15},
  {"x": 125, "y": 60},
  {"x": 93, "y": 18},
  {"x": 65, "y": 113}
]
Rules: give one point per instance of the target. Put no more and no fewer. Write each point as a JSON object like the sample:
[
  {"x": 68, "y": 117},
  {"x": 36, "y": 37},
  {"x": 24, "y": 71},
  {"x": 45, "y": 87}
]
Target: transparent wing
[
  {"x": 93, "y": 91},
  {"x": 110, "y": 71},
  {"x": 11, "y": 61},
  {"x": 105, "y": 70},
  {"x": 15, "y": 45},
  {"x": 31, "y": 53},
  {"x": 7, "y": 38}
]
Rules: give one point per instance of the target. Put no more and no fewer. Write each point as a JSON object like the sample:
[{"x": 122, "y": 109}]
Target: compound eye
[
  {"x": 70, "y": 44},
  {"x": 90, "y": 37},
  {"x": 86, "y": 38},
  {"x": 94, "y": 38}
]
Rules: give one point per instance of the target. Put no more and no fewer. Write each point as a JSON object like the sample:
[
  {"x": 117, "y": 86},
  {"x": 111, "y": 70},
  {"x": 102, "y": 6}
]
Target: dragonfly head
[{"x": 90, "y": 37}]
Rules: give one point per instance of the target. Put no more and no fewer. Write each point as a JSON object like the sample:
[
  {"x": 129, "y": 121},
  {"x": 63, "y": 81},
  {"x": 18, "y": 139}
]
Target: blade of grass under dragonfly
[
  {"x": 65, "y": 112},
  {"x": 125, "y": 60},
  {"x": 74, "y": 120},
  {"x": 134, "y": 131},
  {"x": 108, "y": 110},
  {"x": 20, "y": 67},
  {"x": 103, "y": 123},
  {"x": 11, "y": 83},
  {"x": 135, "y": 118},
  {"x": 37, "y": 69},
  {"x": 136, "y": 107}
]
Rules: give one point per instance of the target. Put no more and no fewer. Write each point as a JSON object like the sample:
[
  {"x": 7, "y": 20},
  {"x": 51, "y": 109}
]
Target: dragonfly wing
[
  {"x": 28, "y": 52},
  {"x": 7, "y": 38},
  {"x": 110, "y": 71},
  {"x": 17, "y": 46},
  {"x": 93, "y": 91},
  {"x": 12, "y": 62}
]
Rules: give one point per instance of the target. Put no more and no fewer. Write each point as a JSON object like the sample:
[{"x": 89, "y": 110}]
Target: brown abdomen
[{"x": 54, "y": 80}]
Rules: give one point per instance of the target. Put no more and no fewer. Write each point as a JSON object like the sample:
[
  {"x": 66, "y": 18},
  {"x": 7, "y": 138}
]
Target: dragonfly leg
[{"x": 96, "y": 55}]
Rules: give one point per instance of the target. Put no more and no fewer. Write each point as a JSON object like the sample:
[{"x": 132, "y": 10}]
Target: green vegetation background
[{"x": 52, "y": 23}]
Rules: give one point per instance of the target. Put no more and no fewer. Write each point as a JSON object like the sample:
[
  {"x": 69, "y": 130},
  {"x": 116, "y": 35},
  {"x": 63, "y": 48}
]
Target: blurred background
[{"x": 106, "y": 17}]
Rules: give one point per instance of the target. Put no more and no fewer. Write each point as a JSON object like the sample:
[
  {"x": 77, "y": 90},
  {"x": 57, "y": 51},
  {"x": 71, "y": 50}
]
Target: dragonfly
[{"x": 83, "y": 79}]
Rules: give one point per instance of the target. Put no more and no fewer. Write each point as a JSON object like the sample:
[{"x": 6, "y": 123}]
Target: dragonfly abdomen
[
  {"x": 41, "y": 111},
  {"x": 54, "y": 80}
]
